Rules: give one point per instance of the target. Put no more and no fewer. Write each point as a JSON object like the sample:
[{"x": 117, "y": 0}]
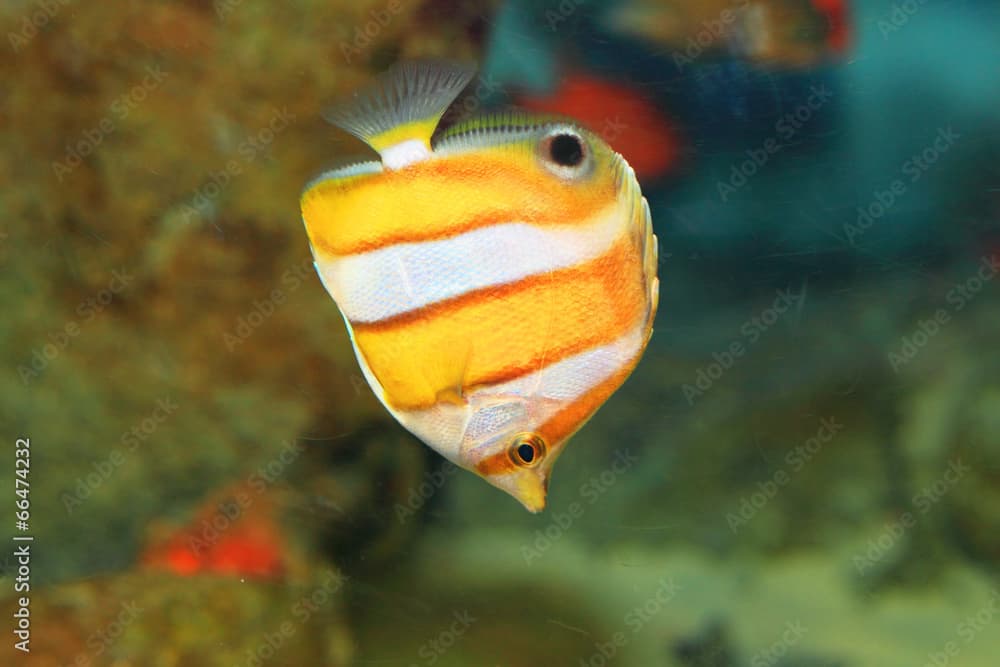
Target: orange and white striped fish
[{"x": 498, "y": 280}]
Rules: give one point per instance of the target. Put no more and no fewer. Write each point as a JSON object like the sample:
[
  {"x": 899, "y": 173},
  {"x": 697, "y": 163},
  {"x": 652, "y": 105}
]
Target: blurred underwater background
[{"x": 803, "y": 471}]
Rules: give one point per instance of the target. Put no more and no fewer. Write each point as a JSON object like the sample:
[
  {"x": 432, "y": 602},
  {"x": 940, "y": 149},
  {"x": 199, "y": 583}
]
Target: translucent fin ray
[
  {"x": 404, "y": 104},
  {"x": 642, "y": 229}
]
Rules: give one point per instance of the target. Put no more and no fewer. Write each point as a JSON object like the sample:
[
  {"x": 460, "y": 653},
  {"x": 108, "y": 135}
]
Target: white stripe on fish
[{"x": 404, "y": 277}]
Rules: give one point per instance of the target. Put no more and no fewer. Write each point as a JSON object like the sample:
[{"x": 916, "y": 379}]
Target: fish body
[{"x": 498, "y": 282}]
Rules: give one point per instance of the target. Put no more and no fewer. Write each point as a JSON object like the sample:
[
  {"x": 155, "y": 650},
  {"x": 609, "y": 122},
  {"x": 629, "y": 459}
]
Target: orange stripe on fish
[
  {"x": 440, "y": 199},
  {"x": 498, "y": 463}
]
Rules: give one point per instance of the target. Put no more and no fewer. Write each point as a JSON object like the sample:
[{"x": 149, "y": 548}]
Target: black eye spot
[
  {"x": 527, "y": 450},
  {"x": 566, "y": 150}
]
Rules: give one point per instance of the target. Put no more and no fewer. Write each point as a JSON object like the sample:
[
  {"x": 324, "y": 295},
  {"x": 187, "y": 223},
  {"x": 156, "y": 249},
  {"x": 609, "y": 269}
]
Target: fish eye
[
  {"x": 566, "y": 150},
  {"x": 527, "y": 450},
  {"x": 565, "y": 153}
]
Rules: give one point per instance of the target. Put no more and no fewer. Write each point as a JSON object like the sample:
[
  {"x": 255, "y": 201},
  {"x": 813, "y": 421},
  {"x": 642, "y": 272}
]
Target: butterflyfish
[{"x": 498, "y": 278}]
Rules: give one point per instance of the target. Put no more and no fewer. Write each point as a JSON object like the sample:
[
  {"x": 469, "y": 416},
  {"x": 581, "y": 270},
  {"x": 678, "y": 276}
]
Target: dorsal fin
[{"x": 398, "y": 114}]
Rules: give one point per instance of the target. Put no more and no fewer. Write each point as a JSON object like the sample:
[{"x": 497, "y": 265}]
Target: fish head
[{"x": 504, "y": 444}]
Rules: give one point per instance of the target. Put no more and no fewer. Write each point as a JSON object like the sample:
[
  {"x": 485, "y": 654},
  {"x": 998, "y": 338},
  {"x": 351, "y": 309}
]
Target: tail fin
[{"x": 398, "y": 114}]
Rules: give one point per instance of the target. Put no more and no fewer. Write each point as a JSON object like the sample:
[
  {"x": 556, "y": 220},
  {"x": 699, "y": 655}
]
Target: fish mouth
[{"x": 531, "y": 490}]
